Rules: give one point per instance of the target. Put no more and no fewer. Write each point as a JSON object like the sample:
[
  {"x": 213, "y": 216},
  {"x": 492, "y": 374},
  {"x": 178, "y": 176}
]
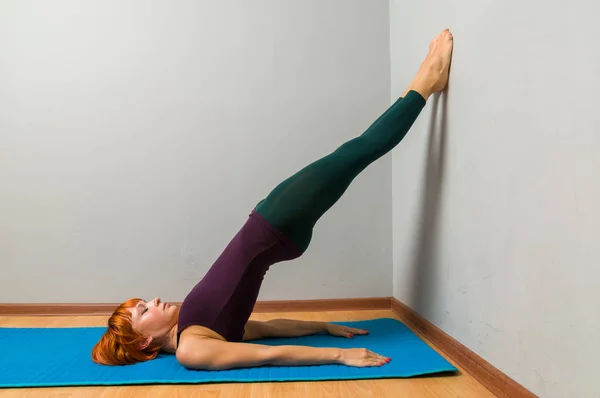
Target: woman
[{"x": 209, "y": 330}]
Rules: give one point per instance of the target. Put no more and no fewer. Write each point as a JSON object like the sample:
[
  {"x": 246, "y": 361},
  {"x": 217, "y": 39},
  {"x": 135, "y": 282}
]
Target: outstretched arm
[
  {"x": 213, "y": 354},
  {"x": 294, "y": 328}
]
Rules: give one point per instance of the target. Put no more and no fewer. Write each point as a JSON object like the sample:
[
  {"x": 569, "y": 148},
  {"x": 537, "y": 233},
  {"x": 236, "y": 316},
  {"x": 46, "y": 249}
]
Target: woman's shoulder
[{"x": 197, "y": 347}]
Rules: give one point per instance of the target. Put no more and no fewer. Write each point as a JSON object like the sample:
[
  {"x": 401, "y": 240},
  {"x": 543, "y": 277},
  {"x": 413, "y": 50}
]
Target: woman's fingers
[
  {"x": 350, "y": 332},
  {"x": 379, "y": 358},
  {"x": 375, "y": 362},
  {"x": 356, "y": 331}
]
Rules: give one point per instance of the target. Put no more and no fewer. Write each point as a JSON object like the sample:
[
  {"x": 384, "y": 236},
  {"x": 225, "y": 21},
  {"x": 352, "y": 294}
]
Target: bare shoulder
[
  {"x": 196, "y": 345},
  {"x": 199, "y": 349}
]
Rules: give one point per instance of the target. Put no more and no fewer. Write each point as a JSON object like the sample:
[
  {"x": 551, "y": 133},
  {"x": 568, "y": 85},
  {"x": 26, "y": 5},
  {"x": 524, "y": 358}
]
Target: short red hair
[{"x": 120, "y": 344}]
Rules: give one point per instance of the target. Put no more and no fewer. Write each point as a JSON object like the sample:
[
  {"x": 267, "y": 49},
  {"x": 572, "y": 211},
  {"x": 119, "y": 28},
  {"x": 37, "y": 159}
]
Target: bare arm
[
  {"x": 213, "y": 354},
  {"x": 282, "y": 328},
  {"x": 294, "y": 328}
]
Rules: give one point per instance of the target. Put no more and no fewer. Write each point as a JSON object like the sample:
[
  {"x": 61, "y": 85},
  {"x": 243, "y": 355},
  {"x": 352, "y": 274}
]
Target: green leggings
[{"x": 296, "y": 204}]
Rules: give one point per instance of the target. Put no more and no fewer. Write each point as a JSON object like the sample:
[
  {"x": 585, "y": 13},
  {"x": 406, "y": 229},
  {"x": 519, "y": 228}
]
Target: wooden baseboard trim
[
  {"x": 350, "y": 304},
  {"x": 81, "y": 309},
  {"x": 493, "y": 379},
  {"x": 56, "y": 309}
]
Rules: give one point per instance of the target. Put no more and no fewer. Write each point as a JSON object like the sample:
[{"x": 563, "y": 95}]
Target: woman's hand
[
  {"x": 361, "y": 357},
  {"x": 344, "y": 331}
]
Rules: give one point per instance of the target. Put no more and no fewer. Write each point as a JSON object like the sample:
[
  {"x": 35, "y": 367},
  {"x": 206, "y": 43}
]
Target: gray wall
[
  {"x": 135, "y": 138},
  {"x": 496, "y": 189}
]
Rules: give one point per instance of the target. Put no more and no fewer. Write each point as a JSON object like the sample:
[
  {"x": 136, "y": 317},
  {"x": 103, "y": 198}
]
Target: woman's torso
[{"x": 221, "y": 303}]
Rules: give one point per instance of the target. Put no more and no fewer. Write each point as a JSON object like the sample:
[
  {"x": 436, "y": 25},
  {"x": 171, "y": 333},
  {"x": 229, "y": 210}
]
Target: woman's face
[{"x": 153, "y": 318}]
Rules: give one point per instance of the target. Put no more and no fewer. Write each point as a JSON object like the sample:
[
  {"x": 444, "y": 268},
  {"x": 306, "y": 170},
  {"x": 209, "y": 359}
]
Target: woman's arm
[
  {"x": 294, "y": 328},
  {"x": 213, "y": 354},
  {"x": 282, "y": 328}
]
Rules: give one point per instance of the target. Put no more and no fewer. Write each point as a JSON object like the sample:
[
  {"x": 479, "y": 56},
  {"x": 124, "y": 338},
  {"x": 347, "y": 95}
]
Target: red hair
[{"x": 120, "y": 344}]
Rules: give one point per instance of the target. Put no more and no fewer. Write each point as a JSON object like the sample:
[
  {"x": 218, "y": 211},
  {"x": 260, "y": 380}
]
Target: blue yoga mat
[{"x": 43, "y": 357}]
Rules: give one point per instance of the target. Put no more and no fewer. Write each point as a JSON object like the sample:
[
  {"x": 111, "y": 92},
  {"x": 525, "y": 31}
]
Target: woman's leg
[{"x": 296, "y": 204}]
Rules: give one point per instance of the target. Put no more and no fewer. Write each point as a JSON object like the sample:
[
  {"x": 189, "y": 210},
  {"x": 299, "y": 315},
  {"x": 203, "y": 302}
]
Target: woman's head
[{"x": 136, "y": 332}]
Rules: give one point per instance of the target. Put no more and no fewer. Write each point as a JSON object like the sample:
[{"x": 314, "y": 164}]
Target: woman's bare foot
[{"x": 433, "y": 74}]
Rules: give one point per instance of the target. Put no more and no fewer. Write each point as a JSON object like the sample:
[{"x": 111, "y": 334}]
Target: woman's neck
[{"x": 170, "y": 341}]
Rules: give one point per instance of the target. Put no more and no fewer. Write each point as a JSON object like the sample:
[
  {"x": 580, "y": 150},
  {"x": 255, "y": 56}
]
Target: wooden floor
[{"x": 461, "y": 385}]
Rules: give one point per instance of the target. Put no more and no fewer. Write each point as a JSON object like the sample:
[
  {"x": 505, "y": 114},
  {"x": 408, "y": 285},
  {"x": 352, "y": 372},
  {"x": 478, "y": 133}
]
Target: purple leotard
[{"x": 224, "y": 299}]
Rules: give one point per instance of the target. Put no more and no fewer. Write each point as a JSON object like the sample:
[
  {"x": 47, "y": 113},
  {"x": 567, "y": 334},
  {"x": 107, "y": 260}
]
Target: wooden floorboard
[{"x": 461, "y": 385}]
